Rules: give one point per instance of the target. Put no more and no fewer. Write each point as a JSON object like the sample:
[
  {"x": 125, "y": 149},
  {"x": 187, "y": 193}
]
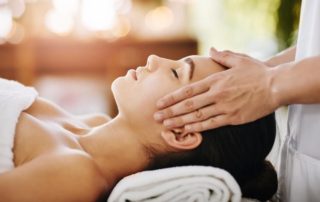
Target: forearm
[
  {"x": 285, "y": 56},
  {"x": 297, "y": 82}
]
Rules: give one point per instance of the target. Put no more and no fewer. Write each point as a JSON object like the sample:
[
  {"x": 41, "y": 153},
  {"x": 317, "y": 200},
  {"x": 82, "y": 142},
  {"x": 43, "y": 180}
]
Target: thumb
[{"x": 225, "y": 58}]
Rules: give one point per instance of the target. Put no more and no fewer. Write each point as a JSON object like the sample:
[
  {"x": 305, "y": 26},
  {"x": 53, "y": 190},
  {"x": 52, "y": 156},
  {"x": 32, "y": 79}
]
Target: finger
[
  {"x": 183, "y": 93},
  {"x": 226, "y": 58},
  {"x": 188, "y": 105},
  {"x": 241, "y": 55},
  {"x": 232, "y": 52},
  {"x": 196, "y": 116},
  {"x": 211, "y": 123}
]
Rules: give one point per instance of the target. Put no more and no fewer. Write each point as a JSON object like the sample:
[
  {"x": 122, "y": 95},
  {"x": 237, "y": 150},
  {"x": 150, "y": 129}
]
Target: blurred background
[{"x": 72, "y": 50}]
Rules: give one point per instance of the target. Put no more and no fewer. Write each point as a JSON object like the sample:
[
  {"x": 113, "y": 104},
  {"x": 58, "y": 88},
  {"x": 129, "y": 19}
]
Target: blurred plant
[
  {"x": 153, "y": 2},
  {"x": 279, "y": 17},
  {"x": 288, "y": 14},
  {"x": 251, "y": 25}
]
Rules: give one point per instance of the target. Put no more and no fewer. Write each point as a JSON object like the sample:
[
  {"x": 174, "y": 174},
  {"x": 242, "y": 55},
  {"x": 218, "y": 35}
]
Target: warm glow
[
  {"x": 59, "y": 22},
  {"x": 3, "y": 2},
  {"x": 159, "y": 18},
  {"x": 5, "y": 21},
  {"x": 98, "y": 15},
  {"x": 30, "y": 1},
  {"x": 122, "y": 29},
  {"x": 17, "y": 34},
  {"x": 66, "y": 6},
  {"x": 91, "y": 16},
  {"x": 17, "y": 7},
  {"x": 123, "y": 6}
]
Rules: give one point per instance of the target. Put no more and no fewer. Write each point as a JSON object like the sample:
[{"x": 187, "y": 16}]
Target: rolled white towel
[{"x": 178, "y": 184}]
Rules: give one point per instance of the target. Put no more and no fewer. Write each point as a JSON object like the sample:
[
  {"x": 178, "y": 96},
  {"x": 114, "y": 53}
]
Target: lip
[{"x": 133, "y": 74}]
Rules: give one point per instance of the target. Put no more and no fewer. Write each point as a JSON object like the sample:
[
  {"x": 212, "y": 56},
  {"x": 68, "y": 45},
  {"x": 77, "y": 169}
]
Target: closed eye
[{"x": 175, "y": 73}]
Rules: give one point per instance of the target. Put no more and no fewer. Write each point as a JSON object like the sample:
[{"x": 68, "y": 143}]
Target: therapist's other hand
[{"x": 236, "y": 96}]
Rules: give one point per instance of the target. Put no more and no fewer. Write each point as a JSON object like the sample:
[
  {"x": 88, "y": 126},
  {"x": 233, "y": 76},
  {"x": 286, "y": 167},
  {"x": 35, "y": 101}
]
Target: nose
[{"x": 153, "y": 62}]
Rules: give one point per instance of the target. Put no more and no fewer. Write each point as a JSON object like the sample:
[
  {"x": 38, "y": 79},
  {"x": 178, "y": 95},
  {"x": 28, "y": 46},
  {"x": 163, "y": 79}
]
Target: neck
[{"x": 115, "y": 149}]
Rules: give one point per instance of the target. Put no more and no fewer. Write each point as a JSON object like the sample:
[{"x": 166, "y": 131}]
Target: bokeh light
[
  {"x": 98, "y": 15},
  {"x": 17, "y": 7},
  {"x": 59, "y": 22},
  {"x": 123, "y": 6},
  {"x": 90, "y": 17},
  {"x": 159, "y": 18},
  {"x": 122, "y": 28},
  {"x": 17, "y": 34},
  {"x": 5, "y": 21},
  {"x": 66, "y": 6}
]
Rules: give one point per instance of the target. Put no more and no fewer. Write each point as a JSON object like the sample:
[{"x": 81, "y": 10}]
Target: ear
[{"x": 179, "y": 139}]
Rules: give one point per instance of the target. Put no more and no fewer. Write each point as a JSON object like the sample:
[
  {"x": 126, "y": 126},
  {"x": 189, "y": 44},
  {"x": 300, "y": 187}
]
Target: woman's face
[{"x": 137, "y": 92}]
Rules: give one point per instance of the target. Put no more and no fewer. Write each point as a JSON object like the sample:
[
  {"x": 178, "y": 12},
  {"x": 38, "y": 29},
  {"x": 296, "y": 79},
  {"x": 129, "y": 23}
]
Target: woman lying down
[{"x": 57, "y": 156}]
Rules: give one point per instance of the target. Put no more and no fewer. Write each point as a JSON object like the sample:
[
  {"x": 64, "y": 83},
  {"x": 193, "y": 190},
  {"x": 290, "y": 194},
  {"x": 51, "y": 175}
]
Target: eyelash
[{"x": 175, "y": 73}]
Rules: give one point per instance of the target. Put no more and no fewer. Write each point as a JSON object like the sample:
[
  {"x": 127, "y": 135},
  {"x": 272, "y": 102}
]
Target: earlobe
[{"x": 178, "y": 139}]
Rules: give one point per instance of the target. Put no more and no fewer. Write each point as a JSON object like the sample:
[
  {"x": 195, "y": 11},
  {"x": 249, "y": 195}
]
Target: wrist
[
  {"x": 285, "y": 56},
  {"x": 268, "y": 63},
  {"x": 277, "y": 89}
]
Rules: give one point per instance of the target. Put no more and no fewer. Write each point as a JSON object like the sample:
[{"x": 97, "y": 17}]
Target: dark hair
[{"x": 241, "y": 150}]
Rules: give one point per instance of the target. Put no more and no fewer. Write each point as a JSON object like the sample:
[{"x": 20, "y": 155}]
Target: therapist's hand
[{"x": 238, "y": 95}]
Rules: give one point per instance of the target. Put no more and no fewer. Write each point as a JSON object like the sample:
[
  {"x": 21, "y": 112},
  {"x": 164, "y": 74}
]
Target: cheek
[
  {"x": 137, "y": 100},
  {"x": 150, "y": 90}
]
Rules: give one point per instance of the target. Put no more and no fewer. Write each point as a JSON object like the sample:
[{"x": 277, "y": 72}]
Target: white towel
[
  {"x": 14, "y": 98},
  {"x": 178, "y": 184}
]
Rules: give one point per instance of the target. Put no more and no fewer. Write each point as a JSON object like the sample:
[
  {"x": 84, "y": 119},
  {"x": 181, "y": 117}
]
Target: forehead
[{"x": 204, "y": 66}]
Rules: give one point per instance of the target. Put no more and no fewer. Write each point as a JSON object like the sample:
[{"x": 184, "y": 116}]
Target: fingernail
[
  {"x": 158, "y": 116},
  {"x": 160, "y": 104},
  {"x": 168, "y": 123}
]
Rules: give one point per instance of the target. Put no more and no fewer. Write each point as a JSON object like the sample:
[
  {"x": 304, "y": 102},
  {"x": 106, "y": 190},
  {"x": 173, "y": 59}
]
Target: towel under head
[{"x": 178, "y": 184}]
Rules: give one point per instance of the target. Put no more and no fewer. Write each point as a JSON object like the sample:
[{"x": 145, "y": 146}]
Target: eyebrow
[{"x": 190, "y": 62}]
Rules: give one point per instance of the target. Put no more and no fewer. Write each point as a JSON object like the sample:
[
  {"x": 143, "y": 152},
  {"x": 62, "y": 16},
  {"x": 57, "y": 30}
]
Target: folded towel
[
  {"x": 185, "y": 184},
  {"x": 14, "y": 98}
]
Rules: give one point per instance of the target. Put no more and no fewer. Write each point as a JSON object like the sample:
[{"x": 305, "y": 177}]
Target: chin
[
  {"x": 122, "y": 84},
  {"x": 115, "y": 84},
  {"x": 118, "y": 87},
  {"x": 130, "y": 101},
  {"x": 123, "y": 93}
]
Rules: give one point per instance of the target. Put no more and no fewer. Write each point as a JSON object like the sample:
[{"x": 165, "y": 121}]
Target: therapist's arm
[
  {"x": 285, "y": 56},
  {"x": 297, "y": 82},
  {"x": 245, "y": 92},
  {"x": 288, "y": 55}
]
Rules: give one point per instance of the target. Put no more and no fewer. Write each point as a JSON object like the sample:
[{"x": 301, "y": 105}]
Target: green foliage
[
  {"x": 288, "y": 15},
  {"x": 277, "y": 17}
]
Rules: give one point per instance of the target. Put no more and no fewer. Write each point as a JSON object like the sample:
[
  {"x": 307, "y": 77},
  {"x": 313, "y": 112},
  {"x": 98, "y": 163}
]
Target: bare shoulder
[
  {"x": 45, "y": 106},
  {"x": 59, "y": 177}
]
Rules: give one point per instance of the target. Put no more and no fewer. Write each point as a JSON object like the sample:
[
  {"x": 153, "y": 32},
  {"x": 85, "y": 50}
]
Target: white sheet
[{"x": 14, "y": 98}]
